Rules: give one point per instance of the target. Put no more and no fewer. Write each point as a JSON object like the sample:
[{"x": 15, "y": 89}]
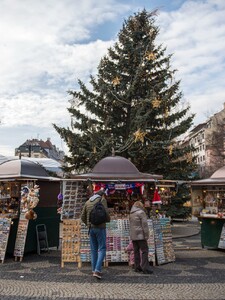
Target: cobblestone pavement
[{"x": 196, "y": 274}]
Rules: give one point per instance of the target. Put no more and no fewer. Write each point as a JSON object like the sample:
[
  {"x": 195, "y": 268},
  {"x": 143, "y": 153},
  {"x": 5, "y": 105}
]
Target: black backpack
[{"x": 98, "y": 214}]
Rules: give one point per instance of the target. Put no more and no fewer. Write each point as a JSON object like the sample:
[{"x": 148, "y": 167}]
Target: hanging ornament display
[
  {"x": 156, "y": 103},
  {"x": 116, "y": 81},
  {"x": 29, "y": 200},
  {"x": 156, "y": 198},
  {"x": 150, "y": 56},
  {"x": 139, "y": 135}
]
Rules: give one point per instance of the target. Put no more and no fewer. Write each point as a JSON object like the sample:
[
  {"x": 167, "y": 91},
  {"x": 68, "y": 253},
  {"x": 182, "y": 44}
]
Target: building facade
[
  {"x": 39, "y": 149},
  {"x": 208, "y": 141}
]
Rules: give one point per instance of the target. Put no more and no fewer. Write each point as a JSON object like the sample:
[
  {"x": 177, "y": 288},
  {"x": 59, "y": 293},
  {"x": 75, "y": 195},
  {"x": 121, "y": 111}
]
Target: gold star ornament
[
  {"x": 139, "y": 136},
  {"x": 116, "y": 81},
  {"x": 150, "y": 56},
  {"x": 156, "y": 103}
]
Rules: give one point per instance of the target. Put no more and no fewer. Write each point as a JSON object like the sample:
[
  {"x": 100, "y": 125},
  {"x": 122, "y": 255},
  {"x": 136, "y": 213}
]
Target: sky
[{"x": 46, "y": 46}]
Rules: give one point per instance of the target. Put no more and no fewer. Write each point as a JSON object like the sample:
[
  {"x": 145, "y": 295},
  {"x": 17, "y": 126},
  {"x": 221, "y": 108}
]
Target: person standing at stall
[
  {"x": 139, "y": 234},
  {"x": 97, "y": 232}
]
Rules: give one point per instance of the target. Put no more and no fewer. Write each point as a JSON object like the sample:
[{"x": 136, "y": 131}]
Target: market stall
[
  {"x": 21, "y": 212},
  {"x": 124, "y": 184},
  {"x": 208, "y": 204}
]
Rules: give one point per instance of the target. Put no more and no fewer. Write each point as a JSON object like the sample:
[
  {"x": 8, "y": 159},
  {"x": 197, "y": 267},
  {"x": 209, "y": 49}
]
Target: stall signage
[{"x": 120, "y": 186}]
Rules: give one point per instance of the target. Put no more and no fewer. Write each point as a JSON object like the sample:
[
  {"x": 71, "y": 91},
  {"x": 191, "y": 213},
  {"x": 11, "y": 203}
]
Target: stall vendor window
[{"x": 9, "y": 198}]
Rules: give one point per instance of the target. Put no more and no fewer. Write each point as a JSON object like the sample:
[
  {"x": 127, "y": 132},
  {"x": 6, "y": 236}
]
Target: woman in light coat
[{"x": 139, "y": 234}]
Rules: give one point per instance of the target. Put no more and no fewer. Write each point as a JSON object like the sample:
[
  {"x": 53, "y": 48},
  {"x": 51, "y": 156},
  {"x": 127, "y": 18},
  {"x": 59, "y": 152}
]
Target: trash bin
[{"x": 211, "y": 229}]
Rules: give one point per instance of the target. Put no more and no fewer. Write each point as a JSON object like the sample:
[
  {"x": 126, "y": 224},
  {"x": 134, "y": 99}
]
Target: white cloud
[
  {"x": 195, "y": 34},
  {"x": 47, "y": 45}
]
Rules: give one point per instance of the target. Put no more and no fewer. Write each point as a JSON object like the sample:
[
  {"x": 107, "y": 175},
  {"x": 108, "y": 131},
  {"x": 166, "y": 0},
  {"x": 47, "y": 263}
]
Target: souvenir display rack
[
  {"x": 163, "y": 241},
  {"x": 159, "y": 242},
  {"x": 85, "y": 253},
  {"x": 117, "y": 239},
  {"x": 151, "y": 243},
  {"x": 5, "y": 225},
  {"x": 71, "y": 237},
  {"x": 21, "y": 237},
  {"x": 74, "y": 197}
]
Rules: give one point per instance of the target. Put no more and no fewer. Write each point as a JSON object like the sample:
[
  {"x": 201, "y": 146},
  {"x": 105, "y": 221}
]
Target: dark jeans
[{"x": 141, "y": 257}]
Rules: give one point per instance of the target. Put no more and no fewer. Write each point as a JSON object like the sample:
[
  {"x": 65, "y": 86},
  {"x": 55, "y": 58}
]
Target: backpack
[{"x": 98, "y": 214}]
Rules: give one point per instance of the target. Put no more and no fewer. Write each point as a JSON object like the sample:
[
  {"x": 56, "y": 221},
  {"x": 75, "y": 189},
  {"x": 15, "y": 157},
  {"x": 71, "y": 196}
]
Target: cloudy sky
[{"x": 45, "y": 46}]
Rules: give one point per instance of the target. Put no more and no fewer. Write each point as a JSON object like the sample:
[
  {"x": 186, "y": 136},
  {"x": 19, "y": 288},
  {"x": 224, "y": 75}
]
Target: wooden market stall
[
  {"x": 18, "y": 221},
  {"x": 124, "y": 185},
  {"x": 208, "y": 204}
]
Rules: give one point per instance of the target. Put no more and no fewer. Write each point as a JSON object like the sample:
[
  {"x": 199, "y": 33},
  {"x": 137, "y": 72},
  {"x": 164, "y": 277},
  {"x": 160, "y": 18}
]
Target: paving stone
[{"x": 196, "y": 274}]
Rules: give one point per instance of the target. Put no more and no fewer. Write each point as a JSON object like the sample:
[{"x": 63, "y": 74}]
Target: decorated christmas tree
[{"x": 133, "y": 108}]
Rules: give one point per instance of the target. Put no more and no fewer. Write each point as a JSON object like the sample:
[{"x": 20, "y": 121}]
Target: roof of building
[
  {"x": 218, "y": 177},
  {"x": 198, "y": 128},
  {"x": 17, "y": 169},
  {"x": 46, "y": 163},
  {"x": 116, "y": 168}
]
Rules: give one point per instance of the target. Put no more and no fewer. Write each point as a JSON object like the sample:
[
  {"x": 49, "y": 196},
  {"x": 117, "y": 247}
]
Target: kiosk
[
  {"x": 124, "y": 184},
  {"x": 208, "y": 204},
  {"x": 14, "y": 175}
]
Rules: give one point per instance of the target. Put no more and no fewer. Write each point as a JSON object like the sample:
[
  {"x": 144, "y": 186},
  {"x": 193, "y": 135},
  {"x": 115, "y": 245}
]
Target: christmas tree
[
  {"x": 134, "y": 107},
  {"x": 180, "y": 206}
]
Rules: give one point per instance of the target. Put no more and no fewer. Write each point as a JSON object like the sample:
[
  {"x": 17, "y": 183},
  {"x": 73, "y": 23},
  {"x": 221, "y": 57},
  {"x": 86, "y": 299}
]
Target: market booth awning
[
  {"x": 218, "y": 178},
  {"x": 116, "y": 168},
  {"x": 23, "y": 169}
]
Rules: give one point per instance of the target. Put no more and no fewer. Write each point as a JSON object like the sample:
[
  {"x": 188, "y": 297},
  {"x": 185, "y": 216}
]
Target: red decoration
[{"x": 156, "y": 197}]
